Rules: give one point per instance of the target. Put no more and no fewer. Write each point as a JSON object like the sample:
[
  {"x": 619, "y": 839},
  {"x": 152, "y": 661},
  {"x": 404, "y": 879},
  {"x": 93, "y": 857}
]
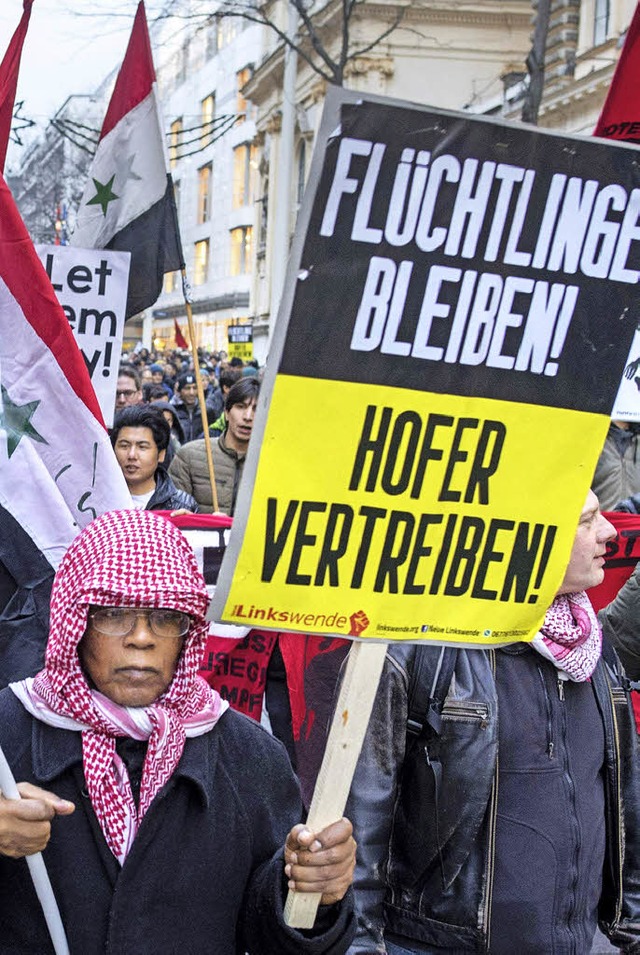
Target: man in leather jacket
[
  {"x": 140, "y": 438},
  {"x": 509, "y": 821}
]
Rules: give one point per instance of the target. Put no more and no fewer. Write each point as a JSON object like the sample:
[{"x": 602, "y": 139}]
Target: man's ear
[{"x": 161, "y": 456}]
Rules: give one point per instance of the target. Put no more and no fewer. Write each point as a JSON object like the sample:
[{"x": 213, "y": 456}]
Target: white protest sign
[
  {"x": 627, "y": 404},
  {"x": 91, "y": 285}
]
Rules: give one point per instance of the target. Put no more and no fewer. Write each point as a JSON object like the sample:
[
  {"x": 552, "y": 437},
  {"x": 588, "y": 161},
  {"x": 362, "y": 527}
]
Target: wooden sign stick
[{"x": 350, "y": 721}]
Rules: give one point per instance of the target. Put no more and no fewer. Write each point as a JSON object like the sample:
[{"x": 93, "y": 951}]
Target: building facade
[
  {"x": 221, "y": 82},
  {"x": 213, "y": 163},
  {"x": 447, "y": 55}
]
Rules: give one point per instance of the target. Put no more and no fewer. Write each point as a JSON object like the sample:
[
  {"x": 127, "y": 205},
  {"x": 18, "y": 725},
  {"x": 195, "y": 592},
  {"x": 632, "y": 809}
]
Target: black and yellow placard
[
  {"x": 459, "y": 309},
  {"x": 240, "y": 341}
]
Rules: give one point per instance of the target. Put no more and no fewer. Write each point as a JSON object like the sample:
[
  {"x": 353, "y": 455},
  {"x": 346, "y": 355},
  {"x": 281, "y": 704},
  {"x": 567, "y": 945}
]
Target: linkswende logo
[{"x": 355, "y": 624}]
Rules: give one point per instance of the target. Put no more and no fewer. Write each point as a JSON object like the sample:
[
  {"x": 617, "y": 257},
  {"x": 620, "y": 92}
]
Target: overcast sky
[{"x": 70, "y": 47}]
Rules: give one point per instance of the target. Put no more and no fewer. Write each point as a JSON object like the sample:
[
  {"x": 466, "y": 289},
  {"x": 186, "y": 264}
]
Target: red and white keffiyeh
[
  {"x": 570, "y": 636},
  {"x": 130, "y": 559}
]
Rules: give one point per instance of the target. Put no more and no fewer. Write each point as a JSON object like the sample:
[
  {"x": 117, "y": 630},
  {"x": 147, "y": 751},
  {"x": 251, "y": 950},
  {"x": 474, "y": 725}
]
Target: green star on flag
[
  {"x": 104, "y": 195},
  {"x": 16, "y": 420}
]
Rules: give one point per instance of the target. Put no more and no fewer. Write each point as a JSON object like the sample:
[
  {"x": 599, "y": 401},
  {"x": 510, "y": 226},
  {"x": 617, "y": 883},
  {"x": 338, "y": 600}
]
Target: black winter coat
[
  {"x": 205, "y": 873},
  {"x": 191, "y": 421},
  {"x": 167, "y": 497}
]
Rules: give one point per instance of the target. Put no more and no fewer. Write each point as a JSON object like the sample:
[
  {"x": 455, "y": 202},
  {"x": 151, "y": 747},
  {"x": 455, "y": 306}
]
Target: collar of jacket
[
  {"x": 231, "y": 452},
  {"x": 57, "y": 750}
]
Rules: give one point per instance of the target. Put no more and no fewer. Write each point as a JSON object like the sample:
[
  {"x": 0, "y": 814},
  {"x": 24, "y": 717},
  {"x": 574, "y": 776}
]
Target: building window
[
  {"x": 601, "y": 22},
  {"x": 244, "y": 162},
  {"x": 176, "y": 195},
  {"x": 182, "y": 66},
  {"x": 174, "y": 141},
  {"x": 302, "y": 171},
  {"x": 208, "y": 112},
  {"x": 241, "y": 250},
  {"x": 227, "y": 31},
  {"x": 171, "y": 281},
  {"x": 242, "y": 77},
  {"x": 263, "y": 221},
  {"x": 201, "y": 262},
  {"x": 211, "y": 40},
  {"x": 205, "y": 176}
]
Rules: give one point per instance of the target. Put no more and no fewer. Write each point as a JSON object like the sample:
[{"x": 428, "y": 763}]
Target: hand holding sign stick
[{"x": 346, "y": 736}]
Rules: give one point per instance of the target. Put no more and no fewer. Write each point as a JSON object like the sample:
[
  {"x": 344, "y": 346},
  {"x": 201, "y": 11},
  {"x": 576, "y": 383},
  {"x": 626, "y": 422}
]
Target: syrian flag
[
  {"x": 9, "y": 80},
  {"x": 57, "y": 468},
  {"x": 128, "y": 203},
  {"x": 620, "y": 116}
]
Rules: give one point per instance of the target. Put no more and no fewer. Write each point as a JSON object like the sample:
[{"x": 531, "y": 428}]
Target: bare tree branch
[{"x": 374, "y": 43}]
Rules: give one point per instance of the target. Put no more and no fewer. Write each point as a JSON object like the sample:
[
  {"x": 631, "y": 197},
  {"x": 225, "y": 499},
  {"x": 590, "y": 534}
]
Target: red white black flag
[
  {"x": 128, "y": 203},
  {"x": 9, "y": 79}
]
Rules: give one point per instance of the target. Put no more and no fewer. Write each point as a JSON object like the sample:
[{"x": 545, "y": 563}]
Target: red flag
[
  {"x": 620, "y": 116},
  {"x": 181, "y": 341},
  {"x": 9, "y": 80}
]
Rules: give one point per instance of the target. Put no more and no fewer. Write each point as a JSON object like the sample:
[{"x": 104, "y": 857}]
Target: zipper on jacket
[
  {"x": 547, "y": 703},
  {"x": 466, "y": 712},
  {"x": 570, "y": 785},
  {"x": 491, "y": 838},
  {"x": 618, "y": 841},
  {"x": 561, "y": 683}
]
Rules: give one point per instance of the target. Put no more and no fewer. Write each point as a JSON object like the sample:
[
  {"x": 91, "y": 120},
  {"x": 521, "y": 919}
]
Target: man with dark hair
[
  {"x": 187, "y": 407},
  {"x": 140, "y": 437},
  {"x": 189, "y": 467},
  {"x": 128, "y": 388},
  {"x": 227, "y": 380}
]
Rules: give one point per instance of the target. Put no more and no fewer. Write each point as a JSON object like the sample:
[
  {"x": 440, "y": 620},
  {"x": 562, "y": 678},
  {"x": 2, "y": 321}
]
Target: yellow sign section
[
  {"x": 243, "y": 350},
  {"x": 380, "y": 512}
]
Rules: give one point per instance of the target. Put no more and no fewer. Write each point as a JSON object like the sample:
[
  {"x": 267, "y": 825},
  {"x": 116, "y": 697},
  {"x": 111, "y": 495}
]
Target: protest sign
[
  {"x": 240, "y": 339},
  {"x": 91, "y": 285},
  {"x": 627, "y": 403},
  {"x": 457, "y": 316}
]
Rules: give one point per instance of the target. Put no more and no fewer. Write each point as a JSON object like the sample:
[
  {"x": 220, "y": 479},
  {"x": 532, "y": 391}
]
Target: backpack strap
[
  {"x": 428, "y": 689},
  {"x": 612, "y": 660}
]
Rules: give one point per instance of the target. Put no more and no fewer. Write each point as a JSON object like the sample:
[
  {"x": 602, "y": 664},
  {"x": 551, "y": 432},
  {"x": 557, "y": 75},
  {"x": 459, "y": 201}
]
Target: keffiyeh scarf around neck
[
  {"x": 133, "y": 559},
  {"x": 570, "y": 636}
]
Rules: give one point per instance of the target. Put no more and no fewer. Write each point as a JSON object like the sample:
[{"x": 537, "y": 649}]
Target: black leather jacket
[
  {"x": 167, "y": 497},
  {"x": 425, "y": 871}
]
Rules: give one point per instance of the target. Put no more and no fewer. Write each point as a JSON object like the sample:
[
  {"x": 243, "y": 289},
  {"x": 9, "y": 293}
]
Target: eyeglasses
[
  {"x": 121, "y": 621},
  {"x": 125, "y": 394}
]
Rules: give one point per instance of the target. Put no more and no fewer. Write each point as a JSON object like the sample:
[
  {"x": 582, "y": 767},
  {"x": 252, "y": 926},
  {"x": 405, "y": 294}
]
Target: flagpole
[
  {"x": 37, "y": 870},
  {"x": 186, "y": 291}
]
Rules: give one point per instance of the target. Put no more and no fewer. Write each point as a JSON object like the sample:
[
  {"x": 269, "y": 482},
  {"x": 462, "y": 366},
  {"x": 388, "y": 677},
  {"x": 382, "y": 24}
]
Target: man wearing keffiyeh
[
  {"x": 508, "y": 819},
  {"x": 183, "y": 837}
]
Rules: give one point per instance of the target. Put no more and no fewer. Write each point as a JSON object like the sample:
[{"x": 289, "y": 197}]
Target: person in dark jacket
[
  {"x": 187, "y": 406},
  {"x": 506, "y": 818},
  {"x": 185, "y": 833},
  {"x": 617, "y": 474},
  {"x": 176, "y": 438},
  {"x": 189, "y": 467},
  {"x": 140, "y": 437}
]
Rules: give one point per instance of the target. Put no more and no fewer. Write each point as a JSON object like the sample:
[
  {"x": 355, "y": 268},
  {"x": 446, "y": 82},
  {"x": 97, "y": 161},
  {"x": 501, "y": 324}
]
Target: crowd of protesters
[
  {"x": 496, "y": 800},
  {"x": 158, "y": 429}
]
